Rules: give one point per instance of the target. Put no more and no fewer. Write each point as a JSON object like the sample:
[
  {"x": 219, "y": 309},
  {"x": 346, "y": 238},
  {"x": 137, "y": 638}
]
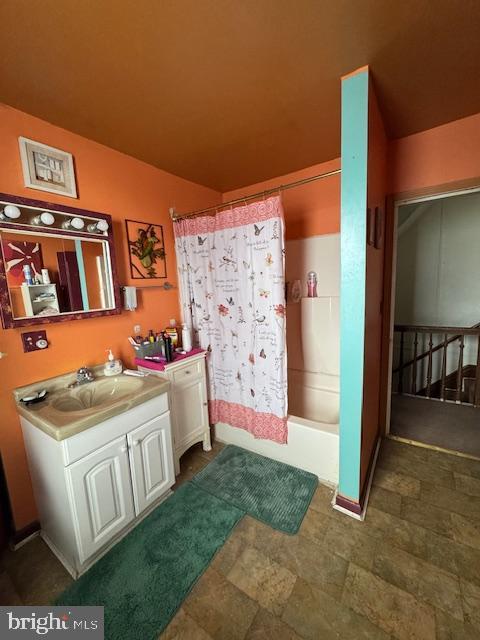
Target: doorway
[{"x": 434, "y": 364}]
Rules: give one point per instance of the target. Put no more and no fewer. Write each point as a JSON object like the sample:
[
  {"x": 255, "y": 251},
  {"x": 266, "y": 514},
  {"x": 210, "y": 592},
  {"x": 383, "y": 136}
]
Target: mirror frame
[{"x": 8, "y": 319}]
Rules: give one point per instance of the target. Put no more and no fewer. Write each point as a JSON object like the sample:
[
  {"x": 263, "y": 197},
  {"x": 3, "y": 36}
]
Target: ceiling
[{"x": 230, "y": 92}]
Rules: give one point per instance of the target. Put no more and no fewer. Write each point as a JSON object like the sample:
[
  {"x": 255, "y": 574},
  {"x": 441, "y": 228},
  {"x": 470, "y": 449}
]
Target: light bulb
[
  {"x": 10, "y": 212},
  {"x": 98, "y": 227},
  {"x": 74, "y": 223},
  {"x": 45, "y": 218}
]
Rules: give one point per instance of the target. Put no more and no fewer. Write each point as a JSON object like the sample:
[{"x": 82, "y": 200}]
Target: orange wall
[
  {"x": 109, "y": 182},
  {"x": 310, "y": 210},
  {"x": 437, "y": 156}
]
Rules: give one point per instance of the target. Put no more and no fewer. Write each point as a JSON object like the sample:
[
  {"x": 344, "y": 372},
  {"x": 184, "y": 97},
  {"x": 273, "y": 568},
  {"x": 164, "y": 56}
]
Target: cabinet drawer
[{"x": 193, "y": 370}]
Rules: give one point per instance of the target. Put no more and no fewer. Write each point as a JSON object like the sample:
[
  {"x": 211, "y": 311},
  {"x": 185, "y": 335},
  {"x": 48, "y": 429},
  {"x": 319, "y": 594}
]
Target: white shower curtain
[{"x": 231, "y": 270}]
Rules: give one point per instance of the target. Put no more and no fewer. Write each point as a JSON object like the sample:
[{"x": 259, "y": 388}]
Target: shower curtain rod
[{"x": 253, "y": 196}]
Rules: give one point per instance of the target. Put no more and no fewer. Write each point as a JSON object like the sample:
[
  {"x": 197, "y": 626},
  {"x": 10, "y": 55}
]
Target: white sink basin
[{"x": 98, "y": 393}]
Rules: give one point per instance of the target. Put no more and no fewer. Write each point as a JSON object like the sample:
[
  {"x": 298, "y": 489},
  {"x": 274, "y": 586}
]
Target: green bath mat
[
  {"x": 143, "y": 580},
  {"x": 273, "y": 492}
]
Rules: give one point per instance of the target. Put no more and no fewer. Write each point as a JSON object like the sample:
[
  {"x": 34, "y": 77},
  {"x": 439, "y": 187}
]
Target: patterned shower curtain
[{"x": 232, "y": 282}]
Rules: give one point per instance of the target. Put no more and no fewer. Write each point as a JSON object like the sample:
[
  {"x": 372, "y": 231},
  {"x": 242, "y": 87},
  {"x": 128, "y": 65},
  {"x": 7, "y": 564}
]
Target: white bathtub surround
[
  {"x": 312, "y": 446},
  {"x": 322, "y": 255}
]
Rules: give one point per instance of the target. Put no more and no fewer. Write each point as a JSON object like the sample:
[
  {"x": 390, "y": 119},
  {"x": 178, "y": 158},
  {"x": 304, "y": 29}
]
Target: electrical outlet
[
  {"x": 136, "y": 330},
  {"x": 34, "y": 341}
]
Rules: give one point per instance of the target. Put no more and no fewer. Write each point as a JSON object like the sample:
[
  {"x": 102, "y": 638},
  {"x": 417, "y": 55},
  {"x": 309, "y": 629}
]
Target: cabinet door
[
  {"x": 151, "y": 460},
  {"x": 101, "y": 494},
  {"x": 189, "y": 401}
]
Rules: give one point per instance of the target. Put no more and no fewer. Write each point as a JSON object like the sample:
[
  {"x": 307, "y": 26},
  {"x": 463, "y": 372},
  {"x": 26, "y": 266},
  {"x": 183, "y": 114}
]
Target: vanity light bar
[{"x": 11, "y": 213}]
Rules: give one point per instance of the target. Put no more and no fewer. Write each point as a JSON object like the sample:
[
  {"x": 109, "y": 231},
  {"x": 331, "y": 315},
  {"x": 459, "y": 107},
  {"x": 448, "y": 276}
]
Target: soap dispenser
[{"x": 113, "y": 367}]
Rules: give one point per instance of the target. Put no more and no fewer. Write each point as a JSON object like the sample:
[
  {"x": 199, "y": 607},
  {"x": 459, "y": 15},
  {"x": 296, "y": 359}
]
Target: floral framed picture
[
  {"x": 46, "y": 168},
  {"x": 146, "y": 250}
]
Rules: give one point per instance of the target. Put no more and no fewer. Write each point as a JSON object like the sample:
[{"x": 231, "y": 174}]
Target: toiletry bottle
[
  {"x": 151, "y": 337},
  {"x": 168, "y": 348},
  {"x": 27, "y": 274},
  {"x": 186, "y": 338},
  {"x": 312, "y": 284},
  {"x": 161, "y": 345},
  {"x": 112, "y": 367}
]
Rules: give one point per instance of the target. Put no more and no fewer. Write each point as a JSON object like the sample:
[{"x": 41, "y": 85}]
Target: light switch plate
[{"x": 31, "y": 339}]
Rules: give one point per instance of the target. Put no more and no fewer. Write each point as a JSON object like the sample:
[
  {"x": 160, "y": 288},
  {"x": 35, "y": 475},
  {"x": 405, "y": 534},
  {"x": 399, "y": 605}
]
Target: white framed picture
[{"x": 46, "y": 168}]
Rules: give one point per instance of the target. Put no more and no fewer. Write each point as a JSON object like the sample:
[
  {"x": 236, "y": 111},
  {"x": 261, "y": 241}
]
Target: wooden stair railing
[{"x": 450, "y": 335}]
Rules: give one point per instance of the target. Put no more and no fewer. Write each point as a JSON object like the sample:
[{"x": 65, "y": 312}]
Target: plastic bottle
[
  {"x": 186, "y": 338},
  {"x": 168, "y": 348},
  {"x": 312, "y": 284},
  {"x": 27, "y": 274}
]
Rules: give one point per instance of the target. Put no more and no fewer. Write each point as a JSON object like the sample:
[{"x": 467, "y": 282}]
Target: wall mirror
[{"x": 56, "y": 263}]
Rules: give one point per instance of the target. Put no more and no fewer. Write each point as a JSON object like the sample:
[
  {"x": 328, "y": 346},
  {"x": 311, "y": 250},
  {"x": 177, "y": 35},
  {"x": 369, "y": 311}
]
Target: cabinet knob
[
  {"x": 136, "y": 443},
  {"x": 187, "y": 372},
  {"x": 124, "y": 449},
  {"x": 205, "y": 404}
]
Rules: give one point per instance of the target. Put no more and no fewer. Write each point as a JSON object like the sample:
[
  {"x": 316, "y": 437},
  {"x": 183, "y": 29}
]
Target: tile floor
[{"x": 411, "y": 571}]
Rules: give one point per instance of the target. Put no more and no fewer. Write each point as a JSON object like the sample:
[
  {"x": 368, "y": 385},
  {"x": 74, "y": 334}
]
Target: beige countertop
[{"x": 66, "y": 412}]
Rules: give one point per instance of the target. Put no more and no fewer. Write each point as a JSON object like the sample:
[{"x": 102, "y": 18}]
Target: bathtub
[{"x": 313, "y": 440}]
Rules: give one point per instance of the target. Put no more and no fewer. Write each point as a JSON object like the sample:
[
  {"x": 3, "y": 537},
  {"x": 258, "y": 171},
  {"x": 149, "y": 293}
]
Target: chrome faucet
[{"x": 84, "y": 375}]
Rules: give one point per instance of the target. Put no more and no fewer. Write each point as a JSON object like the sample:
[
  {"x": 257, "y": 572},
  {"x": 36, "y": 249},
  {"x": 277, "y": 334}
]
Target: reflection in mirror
[{"x": 50, "y": 275}]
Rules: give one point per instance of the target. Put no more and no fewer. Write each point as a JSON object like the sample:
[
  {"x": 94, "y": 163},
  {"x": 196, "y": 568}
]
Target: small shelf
[{"x": 31, "y": 291}]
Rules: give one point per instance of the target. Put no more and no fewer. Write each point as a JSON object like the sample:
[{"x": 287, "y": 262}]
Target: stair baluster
[
  {"x": 414, "y": 371},
  {"x": 461, "y": 347},
  {"x": 429, "y": 370}
]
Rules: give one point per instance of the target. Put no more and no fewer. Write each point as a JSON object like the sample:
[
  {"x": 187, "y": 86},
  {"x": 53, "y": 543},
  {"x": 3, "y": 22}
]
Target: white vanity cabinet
[
  {"x": 95, "y": 486},
  {"x": 188, "y": 393}
]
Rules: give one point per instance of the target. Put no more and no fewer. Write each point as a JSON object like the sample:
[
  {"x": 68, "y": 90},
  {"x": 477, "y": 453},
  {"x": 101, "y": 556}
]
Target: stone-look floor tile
[
  {"x": 397, "y": 482},
  {"x": 183, "y": 627},
  {"x": 322, "y": 499},
  {"x": 8, "y": 593},
  {"x": 422, "y": 543},
  {"x": 314, "y": 614},
  {"x": 467, "y": 562},
  {"x": 467, "y": 484},
  {"x": 227, "y": 555},
  {"x": 427, "y": 516},
  {"x": 350, "y": 543},
  {"x": 395, "y": 449},
  {"x": 421, "y": 579},
  {"x": 388, "y": 607},
  {"x": 450, "y": 629},
  {"x": 471, "y": 603},
  {"x": 466, "y": 466},
  {"x": 314, "y": 525},
  {"x": 451, "y": 500},
  {"x": 420, "y": 471},
  {"x": 466, "y": 530},
  {"x": 311, "y": 612},
  {"x": 263, "y": 579},
  {"x": 385, "y": 500},
  {"x": 266, "y": 626},
  {"x": 313, "y": 563},
  {"x": 37, "y": 575},
  {"x": 261, "y": 536},
  {"x": 221, "y": 609}
]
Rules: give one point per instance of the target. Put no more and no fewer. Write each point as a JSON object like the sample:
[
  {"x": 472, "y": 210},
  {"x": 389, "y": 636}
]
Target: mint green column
[
  {"x": 81, "y": 273},
  {"x": 353, "y": 273}
]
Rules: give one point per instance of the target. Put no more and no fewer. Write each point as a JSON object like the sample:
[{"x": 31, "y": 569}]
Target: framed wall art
[
  {"x": 46, "y": 168},
  {"x": 146, "y": 250}
]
